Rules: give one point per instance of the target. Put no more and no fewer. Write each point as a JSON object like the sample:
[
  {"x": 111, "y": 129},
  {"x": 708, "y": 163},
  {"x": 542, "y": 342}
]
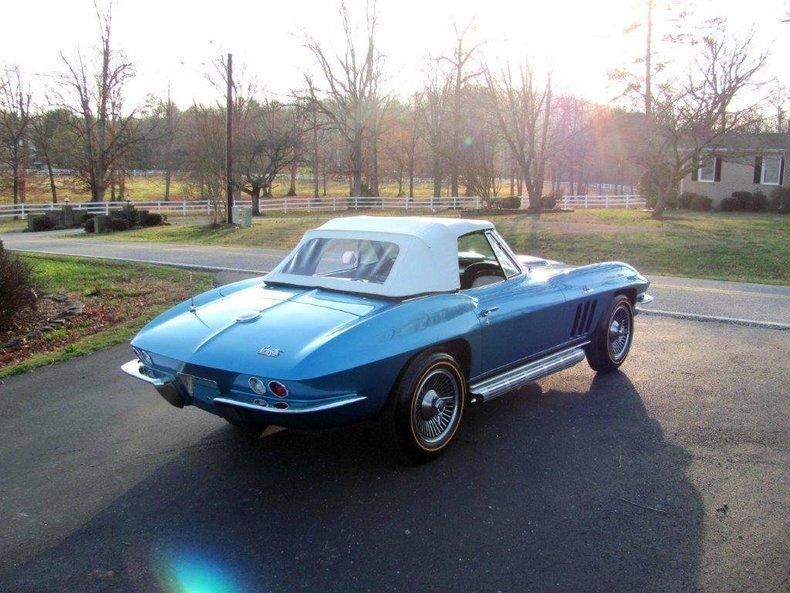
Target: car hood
[{"x": 256, "y": 328}]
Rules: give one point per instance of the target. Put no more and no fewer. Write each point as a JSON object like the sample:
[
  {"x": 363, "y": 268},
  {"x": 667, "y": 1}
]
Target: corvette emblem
[{"x": 270, "y": 351}]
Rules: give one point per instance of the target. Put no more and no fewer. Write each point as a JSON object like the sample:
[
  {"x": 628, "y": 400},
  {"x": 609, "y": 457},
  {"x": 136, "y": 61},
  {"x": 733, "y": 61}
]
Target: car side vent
[{"x": 583, "y": 319}]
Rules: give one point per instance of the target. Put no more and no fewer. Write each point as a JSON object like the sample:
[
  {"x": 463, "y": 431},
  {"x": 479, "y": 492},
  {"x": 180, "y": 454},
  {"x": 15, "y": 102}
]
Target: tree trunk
[
  {"x": 255, "y": 196},
  {"x": 411, "y": 176},
  {"x": 315, "y": 157},
  {"x": 292, "y": 187},
  {"x": 356, "y": 166},
  {"x": 167, "y": 185},
  {"x": 437, "y": 178},
  {"x": 52, "y": 188},
  {"x": 374, "y": 156}
]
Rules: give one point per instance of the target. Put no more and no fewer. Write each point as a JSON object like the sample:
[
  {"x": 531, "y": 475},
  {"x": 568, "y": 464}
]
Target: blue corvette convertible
[{"x": 408, "y": 320}]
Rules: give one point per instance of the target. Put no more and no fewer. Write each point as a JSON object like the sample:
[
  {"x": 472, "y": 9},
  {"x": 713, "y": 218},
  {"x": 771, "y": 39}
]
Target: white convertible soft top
[{"x": 427, "y": 258}]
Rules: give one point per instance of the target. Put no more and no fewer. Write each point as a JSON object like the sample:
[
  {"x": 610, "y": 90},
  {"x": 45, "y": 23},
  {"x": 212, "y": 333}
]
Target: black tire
[
  {"x": 611, "y": 341},
  {"x": 429, "y": 399}
]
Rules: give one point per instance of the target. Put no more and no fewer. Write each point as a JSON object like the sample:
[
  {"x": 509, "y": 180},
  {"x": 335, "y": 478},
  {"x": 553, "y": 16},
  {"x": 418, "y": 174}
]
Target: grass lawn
[
  {"x": 10, "y": 225},
  {"x": 119, "y": 299},
  {"x": 723, "y": 246}
]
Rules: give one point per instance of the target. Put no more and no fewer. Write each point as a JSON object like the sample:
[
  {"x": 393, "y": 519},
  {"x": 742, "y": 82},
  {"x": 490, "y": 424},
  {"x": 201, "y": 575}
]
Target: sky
[{"x": 172, "y": 41}]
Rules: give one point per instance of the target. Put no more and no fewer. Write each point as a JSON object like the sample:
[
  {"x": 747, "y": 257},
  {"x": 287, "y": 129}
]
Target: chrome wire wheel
[
  {"x": 436, "y": 407},
  {"x": 619, "y": 335}
]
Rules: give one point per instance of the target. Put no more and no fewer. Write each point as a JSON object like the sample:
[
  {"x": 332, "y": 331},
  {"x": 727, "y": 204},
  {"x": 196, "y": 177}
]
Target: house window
[
  {"x": 707, "y": 171},
  {"x": 771, "y": 171}
]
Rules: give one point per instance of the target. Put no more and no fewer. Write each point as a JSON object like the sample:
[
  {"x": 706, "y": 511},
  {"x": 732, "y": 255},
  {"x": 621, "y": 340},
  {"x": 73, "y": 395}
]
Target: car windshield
[{"x": 361, "y": 260}]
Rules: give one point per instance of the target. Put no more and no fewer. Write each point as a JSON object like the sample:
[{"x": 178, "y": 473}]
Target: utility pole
[
  {"x": 648, "y": 56},
  {"x": 229, "y": 138}
]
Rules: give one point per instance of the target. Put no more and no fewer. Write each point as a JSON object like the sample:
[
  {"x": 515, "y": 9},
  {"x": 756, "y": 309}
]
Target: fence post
[
  {"x": 585, "y": 202},
  {"x": 334, "y": 204},
  {"x": 626, "y": 201},
  {"x": 208, "y": 207},
  {"x": 184, "y": 207},
  {"x": 430, "y": 203},
  {"x": 285, "y": 202},
  {"x": 606, "y": 202},
  {"x": 107, "y": 208}
]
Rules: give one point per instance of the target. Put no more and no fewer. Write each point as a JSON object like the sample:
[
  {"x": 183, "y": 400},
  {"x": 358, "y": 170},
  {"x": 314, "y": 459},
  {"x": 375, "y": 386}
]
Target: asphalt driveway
[
  {"x": 674, "y": 296},
  {"x": 670, "y": 476}
]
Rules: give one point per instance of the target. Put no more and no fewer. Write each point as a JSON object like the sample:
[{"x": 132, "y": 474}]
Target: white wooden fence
[{"x": 300, "y": 204}]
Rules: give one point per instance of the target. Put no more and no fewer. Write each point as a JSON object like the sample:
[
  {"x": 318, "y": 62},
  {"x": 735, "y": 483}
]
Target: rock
[
  {"x": 12, "y": 344},
  {"x": 34, "y": 335},
  {"x": 57, "y": 297},
  {"x": 58, "y": 322},
  {"x": 47, "y": 328},
  {"x": 73, "y": 309}
]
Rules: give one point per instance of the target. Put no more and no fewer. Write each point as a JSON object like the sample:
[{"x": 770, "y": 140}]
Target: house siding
[{"x": 737, "y": 174}]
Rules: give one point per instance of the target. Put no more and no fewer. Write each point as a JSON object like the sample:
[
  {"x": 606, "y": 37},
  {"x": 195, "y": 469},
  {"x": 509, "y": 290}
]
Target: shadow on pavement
[{"x": 531, "y": 498}]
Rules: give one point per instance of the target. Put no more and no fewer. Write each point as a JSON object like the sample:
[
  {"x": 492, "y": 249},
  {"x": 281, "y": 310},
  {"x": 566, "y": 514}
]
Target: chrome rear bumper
[
  {"x": 166, "y": 385},
  {"x": 170, "y": 388}
]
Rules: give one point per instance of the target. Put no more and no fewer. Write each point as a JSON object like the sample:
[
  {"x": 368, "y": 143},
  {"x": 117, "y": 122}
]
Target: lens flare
[
  {"x": 468, "y": 141},
  {"x": 189, "y": 571}
]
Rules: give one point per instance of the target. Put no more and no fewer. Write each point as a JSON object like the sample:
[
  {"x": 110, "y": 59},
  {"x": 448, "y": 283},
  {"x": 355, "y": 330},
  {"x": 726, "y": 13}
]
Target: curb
[{"x": 715, "y": 318}]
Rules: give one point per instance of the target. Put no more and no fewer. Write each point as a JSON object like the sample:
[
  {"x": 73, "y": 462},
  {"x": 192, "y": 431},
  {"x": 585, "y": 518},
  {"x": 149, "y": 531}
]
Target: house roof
[
  {"x": 754, "y": 142},
  {"x": 427, "y": 259}
]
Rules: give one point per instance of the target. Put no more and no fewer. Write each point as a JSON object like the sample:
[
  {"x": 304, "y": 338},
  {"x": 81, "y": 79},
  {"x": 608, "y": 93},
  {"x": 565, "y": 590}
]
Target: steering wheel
[{"x": 478, "y": 269}]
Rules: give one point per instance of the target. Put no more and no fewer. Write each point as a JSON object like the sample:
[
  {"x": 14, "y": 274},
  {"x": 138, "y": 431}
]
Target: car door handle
[{"x": 487, "y": 312}]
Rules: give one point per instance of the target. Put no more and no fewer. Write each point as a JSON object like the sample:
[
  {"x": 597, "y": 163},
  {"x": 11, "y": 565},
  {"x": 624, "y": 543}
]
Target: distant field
[
  {"x": 149, "y": 188},
  {"x": 145, "y": 189},
  {"x": 723, "y": 246}
]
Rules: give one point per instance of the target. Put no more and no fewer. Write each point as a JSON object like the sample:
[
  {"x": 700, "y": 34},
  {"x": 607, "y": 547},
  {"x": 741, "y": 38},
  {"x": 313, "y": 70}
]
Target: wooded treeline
[{"x": 472, "y": 125}]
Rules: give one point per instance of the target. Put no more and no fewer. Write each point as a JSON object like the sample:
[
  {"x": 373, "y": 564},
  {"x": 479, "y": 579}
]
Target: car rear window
[{"x": 360, "y": 260}]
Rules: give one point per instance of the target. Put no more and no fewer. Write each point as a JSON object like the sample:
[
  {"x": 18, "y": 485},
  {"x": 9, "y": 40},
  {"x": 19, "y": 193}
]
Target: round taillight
[
  {"x": 278, "y": 388},
  {"x": 257, "y": 385}
]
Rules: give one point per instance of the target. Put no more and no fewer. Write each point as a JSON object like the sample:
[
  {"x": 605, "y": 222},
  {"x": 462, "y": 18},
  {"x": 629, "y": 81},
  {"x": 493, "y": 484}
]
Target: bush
[
  {"x": 743, "y": 199},
  {"x": 88, "y": 225},
  {"x": 759, "y": 202},
  {"x": 780, "y": 200},
  {"x": 729, "y": 205},
  {"x": 699, "y": 203},
  {"x": 548, "y": 202},
  {"x": 146, "y": 218},
  {"x": 16, "y": 286},
  {"x": 42, "y": 222},
  {"x": 86, "y": 217},
  {"x": 510, "y": 203},
  {"x": 750, "y": 202},
  {"x": 687, "y": 199},
  {"x": 118, "y": 223}
]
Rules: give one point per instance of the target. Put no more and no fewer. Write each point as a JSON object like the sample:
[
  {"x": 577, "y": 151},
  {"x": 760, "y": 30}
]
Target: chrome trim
[
  {"x": 527, "y": 373},
  {"x": 645, "y": 299},
  {"x": 133, "y": 368},
  {"x": 292, "y": 409}
]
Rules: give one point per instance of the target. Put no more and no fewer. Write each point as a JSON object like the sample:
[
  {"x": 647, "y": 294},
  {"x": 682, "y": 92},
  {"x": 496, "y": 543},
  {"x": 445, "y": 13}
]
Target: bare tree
[
  {"x": 15, "y": 99},
  {"x": 353, "y": 86},
  {"x": 49, "y": 133},
  {"x": 691, "y": 113},
  {"x": 461, "y": 76},
  {"x": 93, "y": 91},
  {"x": 267, "y": 144},
  {"x": 434, "y": 114},
  {"x": 522, "y": 106}
]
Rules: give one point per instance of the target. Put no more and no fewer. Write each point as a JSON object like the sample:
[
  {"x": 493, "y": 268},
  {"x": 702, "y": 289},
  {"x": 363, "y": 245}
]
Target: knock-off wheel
[
  {"x": 426, "y": 406},
  {"x": 611, "y": 341}
]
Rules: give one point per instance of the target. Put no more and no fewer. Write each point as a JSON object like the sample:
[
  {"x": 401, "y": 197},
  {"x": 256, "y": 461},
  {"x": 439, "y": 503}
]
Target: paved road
[
  {"x": 670, "y": 476},
  {"x": 736, "y": 300}
]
